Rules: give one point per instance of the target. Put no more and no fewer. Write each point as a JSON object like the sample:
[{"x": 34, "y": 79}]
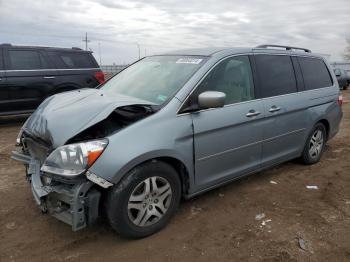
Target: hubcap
[
  {"x": 149, "y": 201},
  {"x": 316, "y": 144}
]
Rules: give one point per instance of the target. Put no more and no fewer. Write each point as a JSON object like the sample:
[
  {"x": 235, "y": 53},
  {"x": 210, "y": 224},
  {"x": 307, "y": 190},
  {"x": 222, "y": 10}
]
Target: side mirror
[{"x": 211, "y": 99}]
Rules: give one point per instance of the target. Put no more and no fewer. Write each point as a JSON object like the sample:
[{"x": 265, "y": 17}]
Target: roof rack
[
  {"x": 42, "y": 46},
  {"x": 286, "y": 47}
]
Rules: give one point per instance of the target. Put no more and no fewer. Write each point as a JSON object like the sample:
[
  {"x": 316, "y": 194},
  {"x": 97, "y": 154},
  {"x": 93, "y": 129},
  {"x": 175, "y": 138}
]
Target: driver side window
[{"x": 233, "y": 77}]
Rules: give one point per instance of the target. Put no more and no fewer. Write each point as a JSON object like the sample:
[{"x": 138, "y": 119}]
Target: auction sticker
[{"x": 195, "y": 61}]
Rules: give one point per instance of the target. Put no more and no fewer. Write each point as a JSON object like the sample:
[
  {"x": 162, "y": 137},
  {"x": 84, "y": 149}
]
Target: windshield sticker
[
  {"x": 161, "y": 98},
  {"x": 195, "y": 61}
]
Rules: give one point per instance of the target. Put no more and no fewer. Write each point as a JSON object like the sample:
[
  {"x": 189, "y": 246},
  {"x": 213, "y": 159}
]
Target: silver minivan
[{"x": 173, "y": 126}]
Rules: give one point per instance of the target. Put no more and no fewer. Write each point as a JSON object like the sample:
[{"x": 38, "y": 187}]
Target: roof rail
[
  {"x": 286, "y": 47},
  {"x": 42, "y": 46}
]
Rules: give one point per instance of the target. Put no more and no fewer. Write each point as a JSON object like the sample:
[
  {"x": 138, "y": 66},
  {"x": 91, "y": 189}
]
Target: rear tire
[
  {"x": 314, "y": 145},
  {"x": 144, "y": 201}
]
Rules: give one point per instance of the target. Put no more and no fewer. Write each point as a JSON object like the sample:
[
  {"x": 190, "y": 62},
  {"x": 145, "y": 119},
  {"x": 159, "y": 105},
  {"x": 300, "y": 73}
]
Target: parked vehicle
[
  {"x": 29, "y": 74},
  {"x": 343, "y": 78},
  {"x": 176, "y": 125}
]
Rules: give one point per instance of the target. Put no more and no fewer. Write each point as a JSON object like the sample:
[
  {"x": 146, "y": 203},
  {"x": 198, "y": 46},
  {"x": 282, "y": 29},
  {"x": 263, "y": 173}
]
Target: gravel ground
[{"x": 270, "y": 216}]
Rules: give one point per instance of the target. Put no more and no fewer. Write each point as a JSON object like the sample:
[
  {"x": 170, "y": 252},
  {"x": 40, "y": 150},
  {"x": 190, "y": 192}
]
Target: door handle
[
  {"x": 252, "y": 113},
  {"x": 274, "y": 109},
  {"x": 49, "y": 77}
]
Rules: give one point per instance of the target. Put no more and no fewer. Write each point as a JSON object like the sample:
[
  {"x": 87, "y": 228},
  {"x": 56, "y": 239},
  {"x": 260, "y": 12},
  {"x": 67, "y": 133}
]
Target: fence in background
[
  {"x": 341, "y": 65},
  {"x": 111, "y": 70}
]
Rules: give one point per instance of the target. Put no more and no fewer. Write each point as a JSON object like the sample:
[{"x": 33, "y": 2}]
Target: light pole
[
  {"x": 138, "y": 46},
  {"x": 99, "y": 52}
]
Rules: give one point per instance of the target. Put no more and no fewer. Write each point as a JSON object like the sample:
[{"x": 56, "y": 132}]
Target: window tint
[
  {"x": 276, "y": 75},
  {"x": 232, "y": 76},
  {"x": 75, "y": 60},
  {"x": 315, "y": 73},
  {"x": 24, "y": 60}
]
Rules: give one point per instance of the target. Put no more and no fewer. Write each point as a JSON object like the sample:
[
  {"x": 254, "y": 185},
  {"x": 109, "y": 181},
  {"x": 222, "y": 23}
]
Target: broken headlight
[{"x": 74, "y": 159}]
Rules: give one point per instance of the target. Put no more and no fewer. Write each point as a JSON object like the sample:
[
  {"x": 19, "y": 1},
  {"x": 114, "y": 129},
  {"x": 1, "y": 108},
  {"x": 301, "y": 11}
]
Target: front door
[{"x": 228, "y": 140}]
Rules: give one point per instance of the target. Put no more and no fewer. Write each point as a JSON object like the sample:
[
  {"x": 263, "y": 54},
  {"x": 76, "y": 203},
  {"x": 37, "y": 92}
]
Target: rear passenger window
[
  {"x": 276, "y": 75},
  {"x": 24, "y": 60},
  {"x": 315, "y": 73},
  {"x": 75, "y": 60}
]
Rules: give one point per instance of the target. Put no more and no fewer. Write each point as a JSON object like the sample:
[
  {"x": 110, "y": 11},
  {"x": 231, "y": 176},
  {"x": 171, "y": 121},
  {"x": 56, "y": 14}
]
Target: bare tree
[{"x": 347, "y": 50}]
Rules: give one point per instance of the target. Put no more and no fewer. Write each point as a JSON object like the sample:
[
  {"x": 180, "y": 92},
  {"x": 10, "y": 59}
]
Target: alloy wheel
[
  {"x": 149, "y": 201},
  {"x": 316, "y": 144}
]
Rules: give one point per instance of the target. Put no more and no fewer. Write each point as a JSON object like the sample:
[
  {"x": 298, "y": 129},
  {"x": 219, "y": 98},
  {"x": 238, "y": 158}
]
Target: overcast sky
[{"x": 161, "y": 25}]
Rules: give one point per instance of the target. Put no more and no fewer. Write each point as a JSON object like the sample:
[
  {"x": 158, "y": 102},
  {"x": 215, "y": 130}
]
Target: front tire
[
  {"x": 145, "y": 200},
  {"x": 314, "y": 145}
]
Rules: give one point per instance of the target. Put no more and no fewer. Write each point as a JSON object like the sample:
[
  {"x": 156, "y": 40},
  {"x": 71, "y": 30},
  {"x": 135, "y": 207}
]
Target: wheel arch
[
  {"x": 326, "y": 124},
  {"x": 179, "y": 166}
]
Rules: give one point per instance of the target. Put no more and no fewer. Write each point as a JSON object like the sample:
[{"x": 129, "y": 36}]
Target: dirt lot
[{"x": 220, "y": 225}]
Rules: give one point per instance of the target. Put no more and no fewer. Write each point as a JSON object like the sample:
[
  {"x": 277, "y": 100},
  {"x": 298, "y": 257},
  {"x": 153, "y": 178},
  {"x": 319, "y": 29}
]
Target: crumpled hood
[{"x": 62, "y": 116}]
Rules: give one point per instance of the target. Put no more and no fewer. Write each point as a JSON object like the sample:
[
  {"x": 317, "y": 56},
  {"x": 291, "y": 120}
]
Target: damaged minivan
[{"x": 173, "y": 126}]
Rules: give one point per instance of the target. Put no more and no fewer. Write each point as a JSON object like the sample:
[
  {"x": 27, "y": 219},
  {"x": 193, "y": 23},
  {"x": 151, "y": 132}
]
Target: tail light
[
  {"x": 100, "y": 77},
  {"x": 340, "y": 100}
]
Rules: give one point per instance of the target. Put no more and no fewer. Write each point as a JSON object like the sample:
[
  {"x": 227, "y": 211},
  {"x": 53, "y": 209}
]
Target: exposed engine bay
[{"x": 121, "y": 117}]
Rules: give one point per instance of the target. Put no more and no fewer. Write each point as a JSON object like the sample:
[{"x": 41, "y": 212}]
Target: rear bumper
[{"x": 75, "y": 204}]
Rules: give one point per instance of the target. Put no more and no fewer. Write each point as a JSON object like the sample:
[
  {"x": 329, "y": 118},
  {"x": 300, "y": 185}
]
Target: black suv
[{"x": 29, "y": 74}]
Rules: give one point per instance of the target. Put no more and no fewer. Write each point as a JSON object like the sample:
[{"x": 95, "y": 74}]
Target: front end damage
[{"x": 75, "y": 201}]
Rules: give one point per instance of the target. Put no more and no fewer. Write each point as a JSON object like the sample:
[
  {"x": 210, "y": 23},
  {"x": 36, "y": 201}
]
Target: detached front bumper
[{"x": 76, "y": 204}]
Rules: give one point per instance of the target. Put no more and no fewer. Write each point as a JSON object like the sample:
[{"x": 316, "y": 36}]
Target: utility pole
[{"x": 86, "y": 40}]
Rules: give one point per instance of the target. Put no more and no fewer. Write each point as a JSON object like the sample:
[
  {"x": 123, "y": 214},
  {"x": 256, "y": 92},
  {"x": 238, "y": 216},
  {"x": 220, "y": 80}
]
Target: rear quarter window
[
  {"x": 315, "y": 73},
  {"x": 276, "y": 75},
  {"x": 74, "y": 60}
]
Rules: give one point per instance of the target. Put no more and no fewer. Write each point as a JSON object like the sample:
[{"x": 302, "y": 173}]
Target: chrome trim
[
  {"x": 252, "y": 114},
  {"x": 251, "y": 144},
  {"x": 274, "y": 109},
  {"x": 51, "y": 69}
]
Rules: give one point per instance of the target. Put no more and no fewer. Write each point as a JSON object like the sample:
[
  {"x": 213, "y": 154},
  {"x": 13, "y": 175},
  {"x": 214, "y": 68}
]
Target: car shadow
[{"x": 13, "y": 120}]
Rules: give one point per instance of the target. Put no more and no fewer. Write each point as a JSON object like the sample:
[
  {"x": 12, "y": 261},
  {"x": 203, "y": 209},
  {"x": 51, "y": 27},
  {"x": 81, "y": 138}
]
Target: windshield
[{"x": 156, "y": 78}]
